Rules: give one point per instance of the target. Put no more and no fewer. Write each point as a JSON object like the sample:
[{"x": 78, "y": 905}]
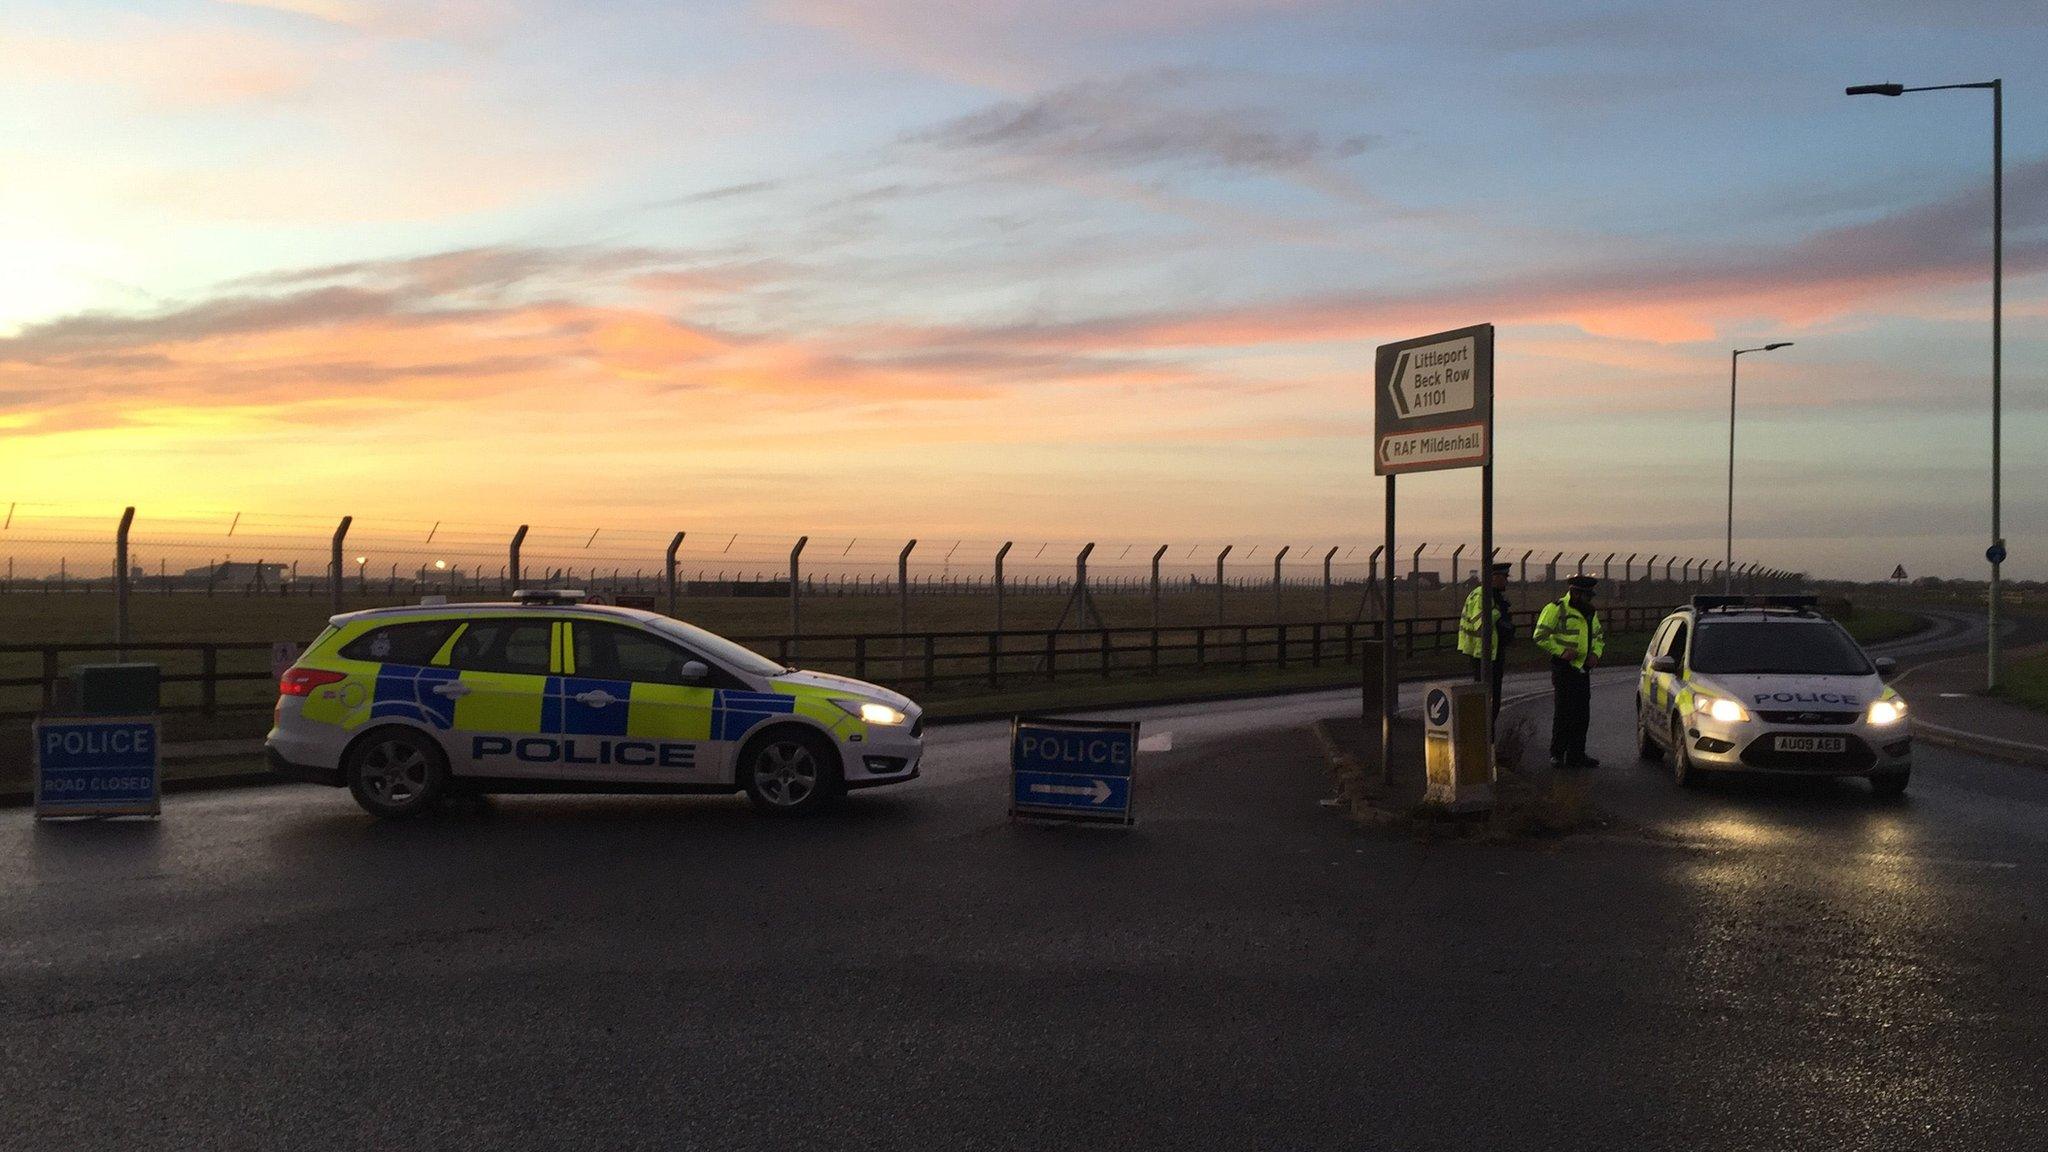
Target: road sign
[
  {"x": 1433, "y": 402},
  {"x": 1996, "y": 553},
  {"x": 97, "y": 766},
  {"x": 1072, "y": 769},
  {"x": 1899, "y": 573}
]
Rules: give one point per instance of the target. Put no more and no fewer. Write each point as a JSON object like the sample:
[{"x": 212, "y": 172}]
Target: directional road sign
[
  {"x": 1072, "y": 769},
  {"x": 1433, "y": 402}
]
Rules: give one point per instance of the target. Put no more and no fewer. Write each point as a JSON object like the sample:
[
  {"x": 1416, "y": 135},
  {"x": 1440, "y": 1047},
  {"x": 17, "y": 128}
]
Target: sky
[{"x": 1025, "y": 269}]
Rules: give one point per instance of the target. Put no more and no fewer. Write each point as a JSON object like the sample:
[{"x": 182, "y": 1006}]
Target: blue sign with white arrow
[{"x": 1072, "y": 769}]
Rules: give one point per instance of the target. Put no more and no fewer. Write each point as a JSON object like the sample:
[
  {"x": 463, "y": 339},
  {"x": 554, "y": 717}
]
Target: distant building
[{"x": 235, "y": 573}]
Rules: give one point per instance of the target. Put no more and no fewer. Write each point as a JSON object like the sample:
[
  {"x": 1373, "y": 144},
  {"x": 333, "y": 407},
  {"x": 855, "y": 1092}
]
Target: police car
[
  {"x": 1767, "y": 684},
  {"x": 549, "y": 694}
]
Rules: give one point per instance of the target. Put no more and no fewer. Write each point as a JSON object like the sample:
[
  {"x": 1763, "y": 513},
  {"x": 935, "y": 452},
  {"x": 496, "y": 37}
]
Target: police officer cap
[
  {"x": 1584, "y": 583},
  {"x": 1503, "y": 567}
]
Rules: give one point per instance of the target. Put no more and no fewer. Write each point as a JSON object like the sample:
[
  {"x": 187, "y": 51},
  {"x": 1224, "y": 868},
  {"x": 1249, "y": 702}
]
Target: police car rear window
[
  {"x": 412, "y": 642},
  {"x": 1760, "y": 648}
]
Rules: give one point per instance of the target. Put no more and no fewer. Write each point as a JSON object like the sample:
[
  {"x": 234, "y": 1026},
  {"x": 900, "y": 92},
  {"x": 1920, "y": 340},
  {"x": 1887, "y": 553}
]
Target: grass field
[{"x": 2026, "y": 681}]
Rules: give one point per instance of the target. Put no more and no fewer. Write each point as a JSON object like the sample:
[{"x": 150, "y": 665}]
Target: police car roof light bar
[
  {"x": 1802, "y": 604},
  {"x": 549, "y": 596}
]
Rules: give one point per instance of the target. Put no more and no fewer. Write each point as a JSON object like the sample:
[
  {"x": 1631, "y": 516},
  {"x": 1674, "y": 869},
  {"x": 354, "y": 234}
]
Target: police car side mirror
[
  {"x": 694, "y": 670},
  {"x": 1665, "y": 665},
  {"x": 1887, "y": 667}
]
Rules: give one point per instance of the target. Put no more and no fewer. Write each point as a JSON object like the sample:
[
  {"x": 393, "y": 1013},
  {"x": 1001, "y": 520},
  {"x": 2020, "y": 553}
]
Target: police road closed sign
[
  {"x": 1433, "y": 402},
  {"x": 1072, "y": 769},
  {"x": 97, "y": 766}
]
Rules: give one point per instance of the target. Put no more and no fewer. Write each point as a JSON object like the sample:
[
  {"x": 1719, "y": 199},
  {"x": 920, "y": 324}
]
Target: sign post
[
  {"x": 97, "y": 766},
  {"x": 1079, "y": 770},
  {"x": 1433, "y": 410}
]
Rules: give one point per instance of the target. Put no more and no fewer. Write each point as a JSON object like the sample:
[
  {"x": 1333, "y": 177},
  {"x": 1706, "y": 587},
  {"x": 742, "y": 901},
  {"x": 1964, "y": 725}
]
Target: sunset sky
[{"x": 1016, "y": 268}]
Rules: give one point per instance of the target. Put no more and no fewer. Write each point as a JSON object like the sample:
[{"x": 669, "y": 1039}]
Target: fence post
[
  {"x": 518, "y": 574},
  {"x": 1455, "y": 553},
  {"x": 1685, "y": 573},
  {"x": 1667, "y": 568},
  {"x": 209, "y": 678},
  {"x": 1525, "y": 564},
  {"x": 669, "y": 569},
  {"x": 1582, "y": 563},
  {"x": 121, "y": 585},
  {"x": 1607, "y": 569},
  {"x": 1650, "y": 567},
  {"x": 1000, "y": 553},
  {"x": 1550, "y": 570},
  {"x": 795, "y": 585},
  {"x": 1327, "y": 557},
  {"x": 334, "y": 565},
  {"x": 1081, "y": 575},
  {"x": 1155, "y": 600},
  {"x": 903, "y": 590},
  {"x": 1219, "y": 580},
  {"x": 1415, "y": 574},
  {"x": 1278, "y": 604}
]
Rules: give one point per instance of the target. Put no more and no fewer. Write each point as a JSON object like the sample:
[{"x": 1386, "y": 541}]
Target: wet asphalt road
[{"x": 1753, "y": 966}]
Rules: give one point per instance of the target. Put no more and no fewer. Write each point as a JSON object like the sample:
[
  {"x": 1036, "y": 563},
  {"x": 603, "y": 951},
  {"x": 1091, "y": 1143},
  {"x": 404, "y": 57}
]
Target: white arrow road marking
[{"x": 1099, "y": 790}]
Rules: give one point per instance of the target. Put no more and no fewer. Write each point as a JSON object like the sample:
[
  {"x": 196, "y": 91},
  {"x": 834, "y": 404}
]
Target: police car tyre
[
  {"x": 1682, "y": 769},
  {"x": 1891, "y": 785},
  {"x": 790, "y": 771},
  {"x": 396, "y": 772}
]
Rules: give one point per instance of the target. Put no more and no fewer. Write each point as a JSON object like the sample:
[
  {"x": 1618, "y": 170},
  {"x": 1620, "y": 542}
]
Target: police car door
[
  {"x": 1666, "y": 685},
  {"x": 631, "y": 703},
  {"x": 504, "y": 665}
]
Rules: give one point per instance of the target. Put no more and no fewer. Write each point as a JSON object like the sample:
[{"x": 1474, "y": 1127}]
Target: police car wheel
[
  {"x": 1681, "y": 760},
  {"x": 790, "y": 772},
  {"x": 396, "y": 772},
  {"x": 1891, "y": 785}
]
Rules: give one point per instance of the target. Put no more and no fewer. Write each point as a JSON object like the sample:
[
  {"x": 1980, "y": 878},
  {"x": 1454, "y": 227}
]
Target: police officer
[
  {"x": 1570, "y": 630},
  {"x": 1470, "y": 632}
]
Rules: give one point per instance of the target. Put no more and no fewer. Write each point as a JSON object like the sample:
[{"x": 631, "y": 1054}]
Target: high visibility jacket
[
  {"x": 1469, "y": 630},
  {"x": 1569, "y": 633}
]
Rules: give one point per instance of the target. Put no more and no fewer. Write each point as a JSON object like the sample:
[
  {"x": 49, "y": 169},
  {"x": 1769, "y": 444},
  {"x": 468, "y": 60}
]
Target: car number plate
[{"x": 1811, "y": 744}]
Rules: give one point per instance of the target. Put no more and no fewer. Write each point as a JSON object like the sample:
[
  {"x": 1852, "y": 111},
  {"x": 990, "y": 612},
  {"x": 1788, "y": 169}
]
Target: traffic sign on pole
[
  {"x": 1072, "y": 769},
  {"x": 1433, "y": 402}
]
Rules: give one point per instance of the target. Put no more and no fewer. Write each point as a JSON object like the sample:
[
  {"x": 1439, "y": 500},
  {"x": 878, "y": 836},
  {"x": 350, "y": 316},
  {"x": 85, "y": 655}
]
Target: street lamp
[
  {"x": 1996, "y": 553},
  {"x": 1734, "y": 359}
]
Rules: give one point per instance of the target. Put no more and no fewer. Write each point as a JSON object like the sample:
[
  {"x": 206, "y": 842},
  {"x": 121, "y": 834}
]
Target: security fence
[
  {"x": 258, "y": 577},
  {"x": 212, "y": 678}
]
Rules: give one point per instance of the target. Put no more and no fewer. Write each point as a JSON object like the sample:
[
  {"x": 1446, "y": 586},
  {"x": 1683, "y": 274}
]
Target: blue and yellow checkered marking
[
  {"x": 734, "y": 714},
  {"x": 560, "y": 711},
  {"x": 408, "y": 692}
]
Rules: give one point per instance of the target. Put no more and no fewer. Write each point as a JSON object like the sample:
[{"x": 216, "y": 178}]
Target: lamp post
[
  {"x": 1996, "y": 553},
  {"x": 1734, "y": 360}
]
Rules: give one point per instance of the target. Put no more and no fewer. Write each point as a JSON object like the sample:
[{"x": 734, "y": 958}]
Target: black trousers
[
  {"x": 1572, "y": 710},
  {"x": 1479, "y": 672}
]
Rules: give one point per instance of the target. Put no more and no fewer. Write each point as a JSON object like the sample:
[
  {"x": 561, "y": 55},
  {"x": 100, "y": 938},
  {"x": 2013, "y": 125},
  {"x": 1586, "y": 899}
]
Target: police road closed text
[
  {"x": 97, "y": 744},
  {"x": 1074, "y": 751}
]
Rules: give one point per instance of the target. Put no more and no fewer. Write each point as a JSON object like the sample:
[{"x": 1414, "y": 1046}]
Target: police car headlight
[
  {"x": 1887, "y": 711},
  {"x": 1721, "y": 709},
  {"x": 873, "y": 713}
]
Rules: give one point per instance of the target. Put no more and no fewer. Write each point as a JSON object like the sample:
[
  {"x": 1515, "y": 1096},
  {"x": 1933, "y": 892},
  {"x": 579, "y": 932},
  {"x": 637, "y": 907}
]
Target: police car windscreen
[
  {"x": 734, "y": 656},
  {"x": 1761, "y": 648}
]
